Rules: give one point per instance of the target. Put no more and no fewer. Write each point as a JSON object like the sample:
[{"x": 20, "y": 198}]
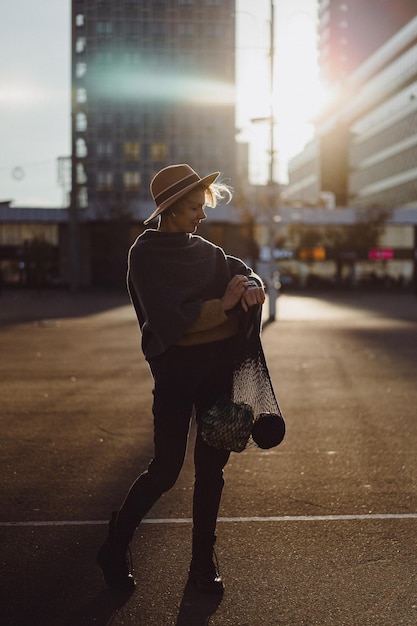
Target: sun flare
[{"x": 298, "y": 94}]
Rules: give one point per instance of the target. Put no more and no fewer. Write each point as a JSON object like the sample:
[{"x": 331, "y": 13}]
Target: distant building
[
  {"x": 364, "y": 152},
  {"x": 35, "y": 251},
  {"x": 350, "y": 31},
  {"x": 153, "y": 84}
]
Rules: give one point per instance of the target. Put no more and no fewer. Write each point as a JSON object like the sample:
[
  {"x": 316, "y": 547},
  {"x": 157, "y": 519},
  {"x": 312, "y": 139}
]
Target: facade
[
  {"x": 35, "y": 248},
  {"x": 153, "y": 84},
  {"x": 350, "y": 31},
  {"x": 31, "y": 238},
  {"x": 364, "y": 152},
  {"x": 318, "y": 248}
]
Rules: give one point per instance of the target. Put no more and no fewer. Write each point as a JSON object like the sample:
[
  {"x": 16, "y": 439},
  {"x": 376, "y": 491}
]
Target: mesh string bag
[
  {"x": 251, "y": 416},
  {"x": 252, "y": 384}
]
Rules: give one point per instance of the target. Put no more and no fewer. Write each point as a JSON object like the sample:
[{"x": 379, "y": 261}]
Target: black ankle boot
[
  {"x": 113, "y": 560},
  {"x": 204, "y": 572}
]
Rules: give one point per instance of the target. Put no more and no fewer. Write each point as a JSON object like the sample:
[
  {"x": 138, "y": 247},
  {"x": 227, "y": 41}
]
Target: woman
[{"x": 188, "y": 296}]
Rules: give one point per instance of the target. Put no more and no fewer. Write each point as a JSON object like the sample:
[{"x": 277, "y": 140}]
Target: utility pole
[
  {"x": 273, "y": 193},
  {"x": 272, "y": 186},
  {"x": 415, "y": 261},
  {"x": 73, "y": 220},
  {"x": 271, "y": 87}
]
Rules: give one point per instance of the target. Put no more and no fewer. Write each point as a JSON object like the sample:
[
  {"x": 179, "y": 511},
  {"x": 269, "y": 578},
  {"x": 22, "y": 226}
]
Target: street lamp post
[
  {"x": 273, "y": 190},
  {"x": 273, "y": 195},
  {"x": 73, "y": 221},
  {"x": 271, "y": 105}
]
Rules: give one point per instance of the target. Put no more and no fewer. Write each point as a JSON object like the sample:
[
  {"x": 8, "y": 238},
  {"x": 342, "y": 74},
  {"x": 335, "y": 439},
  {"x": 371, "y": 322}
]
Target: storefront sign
[
  {"x": 381, "y": 254},
  {"x": 283, "y": 253},
  {"x": 317, "y": 253}
]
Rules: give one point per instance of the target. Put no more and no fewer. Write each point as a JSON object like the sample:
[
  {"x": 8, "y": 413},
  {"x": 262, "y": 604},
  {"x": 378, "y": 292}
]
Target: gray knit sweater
[{"x": 170, "y": 276}]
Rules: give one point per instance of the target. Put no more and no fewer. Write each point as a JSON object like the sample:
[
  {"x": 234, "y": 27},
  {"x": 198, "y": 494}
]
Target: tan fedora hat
[{"x": 173, "y": 182}]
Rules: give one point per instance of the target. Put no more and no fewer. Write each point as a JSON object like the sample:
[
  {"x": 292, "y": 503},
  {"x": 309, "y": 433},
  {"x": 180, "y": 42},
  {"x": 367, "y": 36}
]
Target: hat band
[{"x": 179, "y": 186}]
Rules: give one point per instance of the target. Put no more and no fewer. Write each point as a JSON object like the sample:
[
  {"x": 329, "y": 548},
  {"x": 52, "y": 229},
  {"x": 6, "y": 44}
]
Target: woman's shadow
[
  {"x": 195, "y": 609},
  {"x": 100, "y": 610}
]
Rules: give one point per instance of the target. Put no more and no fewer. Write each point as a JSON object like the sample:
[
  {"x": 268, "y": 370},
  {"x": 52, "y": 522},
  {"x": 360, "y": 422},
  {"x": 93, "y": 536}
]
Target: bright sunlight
[{"x": 298, "y": 94}]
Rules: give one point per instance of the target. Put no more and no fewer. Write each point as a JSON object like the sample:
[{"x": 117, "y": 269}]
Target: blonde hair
[
  {"x": 213, "y": 194},
  {"x": 216, "y": 192}
]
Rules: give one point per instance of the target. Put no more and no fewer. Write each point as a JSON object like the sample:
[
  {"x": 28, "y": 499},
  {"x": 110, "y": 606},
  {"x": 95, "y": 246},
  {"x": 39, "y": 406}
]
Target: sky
[{"x": 35, "y": 116}]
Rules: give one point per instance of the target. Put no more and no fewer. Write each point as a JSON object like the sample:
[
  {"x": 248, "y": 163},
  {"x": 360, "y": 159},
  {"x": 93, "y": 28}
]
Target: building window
[
  {"x": 80, "y": 70},
  {"x": 159, "y": 29},
  {"x": 132, "y": 27},
  {"x": 104, "y": 181},
  {"x": 131, "y": 181},
  {"x": 79, "y": 20},
  {"x": 82, "y": 198},
  {"x": 104, "y": 117},
  {"x": 186, "y": 29},
  {"x": 81, "y": 95},
  {"x": 104, "y": 57},
  {"x": 159, "y": 151},
  {"x": 80, "y": 45},
  {"x": 104, "y": 148},
  {"x": 81, "y": 122},
  {"x": 213, "y": 30},
  {"x": 132, "y": 150},
  {"x": 131, "y": 58},
  {"x": 80, "y": 148},
  {"x": 81, "y": 174},
  {"x": 104, "y": 28},
  {"x": 131, "y": 6}
]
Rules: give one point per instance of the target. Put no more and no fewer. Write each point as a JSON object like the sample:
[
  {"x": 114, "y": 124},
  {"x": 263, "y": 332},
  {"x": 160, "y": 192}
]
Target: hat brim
[{"x": 206, "y": 181}]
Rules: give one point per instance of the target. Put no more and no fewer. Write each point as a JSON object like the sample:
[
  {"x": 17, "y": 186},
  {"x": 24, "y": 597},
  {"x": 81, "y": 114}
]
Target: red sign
[{"x": 381, "y": 254}]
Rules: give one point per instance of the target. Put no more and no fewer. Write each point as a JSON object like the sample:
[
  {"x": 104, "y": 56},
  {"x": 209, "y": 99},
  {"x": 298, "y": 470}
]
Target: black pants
[{"x": 185, "y": 377}]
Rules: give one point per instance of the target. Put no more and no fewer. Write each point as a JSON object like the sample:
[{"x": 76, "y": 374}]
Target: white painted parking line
[{"x": 188, "y": 520}]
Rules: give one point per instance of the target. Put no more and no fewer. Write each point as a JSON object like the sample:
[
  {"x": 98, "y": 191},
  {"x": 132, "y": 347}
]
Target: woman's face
[{"x": 187, "y": 214}]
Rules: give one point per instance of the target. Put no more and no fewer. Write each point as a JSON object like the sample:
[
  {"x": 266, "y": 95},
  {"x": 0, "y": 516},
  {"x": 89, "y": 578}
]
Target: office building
[
  {"x": 350, "y": 31},
  {"x": 364, "y": 152},
  {"x": 153, "y": 84}
]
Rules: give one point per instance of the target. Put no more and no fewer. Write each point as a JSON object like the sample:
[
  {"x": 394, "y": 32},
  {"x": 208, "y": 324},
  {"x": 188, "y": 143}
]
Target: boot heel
[
  {"x": 114, "y": 559},
  {"x": 204, "y": 568}
]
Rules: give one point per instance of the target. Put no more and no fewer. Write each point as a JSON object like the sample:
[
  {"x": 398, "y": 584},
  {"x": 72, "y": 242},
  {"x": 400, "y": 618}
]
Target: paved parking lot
[{"x": 319, "y": 531}]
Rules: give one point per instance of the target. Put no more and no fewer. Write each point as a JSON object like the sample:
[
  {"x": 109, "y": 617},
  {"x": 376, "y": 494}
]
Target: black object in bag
[{"x": 268, "y": 430}]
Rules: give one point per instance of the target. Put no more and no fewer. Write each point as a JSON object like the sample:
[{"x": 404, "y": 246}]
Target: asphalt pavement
[{"x": 319, "y": 531}]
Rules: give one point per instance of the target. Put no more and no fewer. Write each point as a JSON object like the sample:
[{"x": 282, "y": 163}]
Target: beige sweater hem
[{"x": 212, "y": 324}]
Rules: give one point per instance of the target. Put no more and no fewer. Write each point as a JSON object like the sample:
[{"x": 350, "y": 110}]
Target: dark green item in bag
[{"x": 227, "y": 425}]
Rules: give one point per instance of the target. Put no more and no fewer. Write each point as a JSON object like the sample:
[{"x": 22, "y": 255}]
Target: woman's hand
[
  {"x": 238, "y": 291},
  {"x": 252, "y": 296},
  {"x": 234, "y": 292}
]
